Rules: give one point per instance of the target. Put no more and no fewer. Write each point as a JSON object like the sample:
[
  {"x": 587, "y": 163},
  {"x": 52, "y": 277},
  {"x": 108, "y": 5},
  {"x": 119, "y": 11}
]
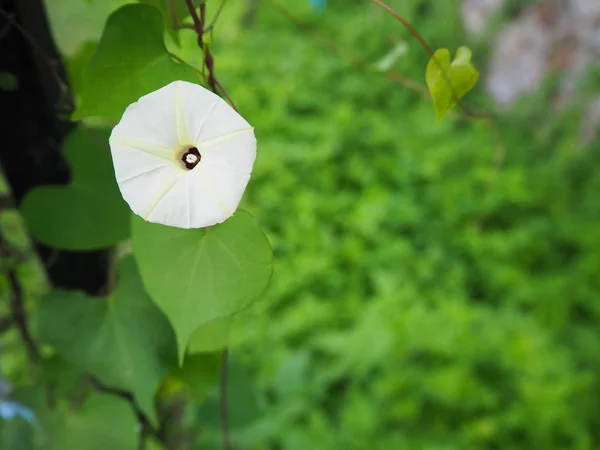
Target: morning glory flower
[{"x": 182, "y": 156}]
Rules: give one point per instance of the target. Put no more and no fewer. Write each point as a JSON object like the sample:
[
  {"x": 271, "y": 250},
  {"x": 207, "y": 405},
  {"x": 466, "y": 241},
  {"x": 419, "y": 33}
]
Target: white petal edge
[{"x": 149, "y": 123}]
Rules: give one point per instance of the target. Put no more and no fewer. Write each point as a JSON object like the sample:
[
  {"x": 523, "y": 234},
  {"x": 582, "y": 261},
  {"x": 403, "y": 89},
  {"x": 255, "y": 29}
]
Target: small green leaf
[
  {"x": 449, "y": 82},
  {"x": 89, "y": 213},
  {"x": 8, "y": 82},
  {"x": 124, "y": 339},
  {"x": 131, "y": 61},
  {"x": 200, "y": 275}
]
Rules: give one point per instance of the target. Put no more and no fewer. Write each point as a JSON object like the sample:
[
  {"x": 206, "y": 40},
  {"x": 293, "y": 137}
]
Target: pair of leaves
[
  {"x": 125, "y": 341},
  {"x": 87, "y": 214},
  {"x": 448, "y": 81}
]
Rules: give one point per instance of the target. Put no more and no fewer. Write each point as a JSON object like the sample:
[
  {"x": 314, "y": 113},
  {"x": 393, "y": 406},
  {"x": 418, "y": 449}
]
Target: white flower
[{"x": 182, "y": 156}]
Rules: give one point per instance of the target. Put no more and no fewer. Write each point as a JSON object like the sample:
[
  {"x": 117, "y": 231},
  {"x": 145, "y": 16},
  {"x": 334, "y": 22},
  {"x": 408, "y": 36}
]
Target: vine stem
[
  {"x": 216, "y": 86},
  {"x": 353, "y": 59},
  {"x": 223, "y": 403},
  {"x": 404, "y": 22}
]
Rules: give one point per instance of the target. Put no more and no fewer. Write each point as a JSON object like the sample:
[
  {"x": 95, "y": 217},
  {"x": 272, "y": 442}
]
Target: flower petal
[
  {"x": 236, "y": 151},
  {"x": 143, "y": 178},
  {"x": 147, "y": 147},
  {"x": 227, "y": 185},
  {"x": 191, "y": 203},
  {"x": 149, "y": 124},
  {"x": 207, "y": 115}
]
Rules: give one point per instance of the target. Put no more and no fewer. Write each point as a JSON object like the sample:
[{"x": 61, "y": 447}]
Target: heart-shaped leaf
[
  {"x": 89, "y": 213},
  {"x": 131, "y": 61},
  {"x": 124, "y": 339},
  {"x": 447, "y": 81},
  {"x": 200, "y": 275}
]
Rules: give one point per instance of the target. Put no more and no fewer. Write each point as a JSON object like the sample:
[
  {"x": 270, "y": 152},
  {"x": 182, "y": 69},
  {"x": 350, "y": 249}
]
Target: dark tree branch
[{"x": 33, "y": 133}]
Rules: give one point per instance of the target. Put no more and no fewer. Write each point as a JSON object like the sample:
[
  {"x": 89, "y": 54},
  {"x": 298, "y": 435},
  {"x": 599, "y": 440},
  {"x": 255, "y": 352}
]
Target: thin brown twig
[
  {"x": 404, "y": 22},
  {"x": 197, "y": 24},
  {"x": 390, "y": 75},
  {"x": 216, "y": 17}
]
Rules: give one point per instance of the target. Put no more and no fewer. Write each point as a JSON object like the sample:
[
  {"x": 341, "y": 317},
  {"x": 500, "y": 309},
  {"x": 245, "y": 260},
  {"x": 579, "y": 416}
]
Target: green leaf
[
  {"x": 16, "y": 434},
  {"x": 131, "y": 61},
  {"x": 211, "y": 337},
  {"x": 124, "y": 339},
  {"x": 103, "y": 422},
  {"x": 75, "y": 22},
  {"x": 64, "y": 378},
  {"x": 200, "y": 275},
  {"x": 77, "y": 65},
  {"x": 89, "y": 213},
  {"x": 8, "y": 82},
  {"x": 449, "y": 82}
]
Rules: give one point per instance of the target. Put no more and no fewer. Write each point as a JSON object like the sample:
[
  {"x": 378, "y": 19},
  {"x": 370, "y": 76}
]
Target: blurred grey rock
[
  {"x": 519, "y": 61},
  {"x": 476, "y": 13}
]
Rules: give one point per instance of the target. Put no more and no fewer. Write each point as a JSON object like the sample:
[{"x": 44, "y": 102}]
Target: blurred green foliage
[
  {"x": 436, "y": 285},
  {"x": 434, "y": 288}
]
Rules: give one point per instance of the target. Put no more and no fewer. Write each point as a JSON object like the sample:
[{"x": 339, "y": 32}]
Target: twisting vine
[{"x": 214, "y": 84}]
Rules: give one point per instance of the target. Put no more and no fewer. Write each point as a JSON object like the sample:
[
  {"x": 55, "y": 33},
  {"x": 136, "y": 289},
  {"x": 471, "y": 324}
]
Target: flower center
[{"x": 191, "y": 158}]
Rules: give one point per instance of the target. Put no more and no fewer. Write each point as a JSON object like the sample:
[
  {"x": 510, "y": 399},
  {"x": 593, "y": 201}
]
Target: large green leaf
[
  {"x": 447, "y": 81},
  {"x": 124, "y": 339},
  {"x": 199, "y": 275},
  {"x": 103, "y": 422},
  {"x": 90, "y": 212},
  {"x": 131, "y": 61}
]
